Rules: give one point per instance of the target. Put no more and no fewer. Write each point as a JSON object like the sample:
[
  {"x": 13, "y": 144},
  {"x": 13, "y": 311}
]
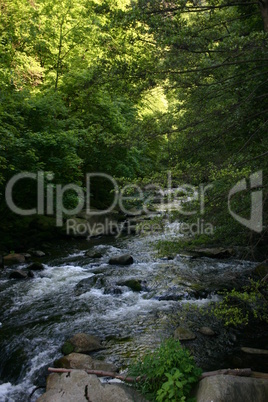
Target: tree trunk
[{"x": 264, "y": 13}]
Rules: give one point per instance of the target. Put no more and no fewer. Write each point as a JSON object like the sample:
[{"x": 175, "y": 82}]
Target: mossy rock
[
  {"x": 81, "y": 343},
  {"x": 133, "y": 284},
  {"x": 67, "y": 348}
]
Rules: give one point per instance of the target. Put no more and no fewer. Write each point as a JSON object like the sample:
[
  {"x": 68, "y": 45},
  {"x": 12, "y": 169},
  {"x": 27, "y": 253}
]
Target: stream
[{"x": 39, "y": 314}]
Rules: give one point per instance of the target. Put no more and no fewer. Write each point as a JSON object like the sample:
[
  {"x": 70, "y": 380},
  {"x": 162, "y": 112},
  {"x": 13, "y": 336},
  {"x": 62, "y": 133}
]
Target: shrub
[{"x": 167, "y": 374}]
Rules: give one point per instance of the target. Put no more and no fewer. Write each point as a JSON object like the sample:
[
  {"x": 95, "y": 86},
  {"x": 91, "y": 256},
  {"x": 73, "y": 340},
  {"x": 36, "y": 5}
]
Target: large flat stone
[
  {"x": 227, "y": 388},
  {"x": 78, "y": 386}
]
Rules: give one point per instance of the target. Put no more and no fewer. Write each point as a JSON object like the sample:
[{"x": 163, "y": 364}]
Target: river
[{"x": 39, "y": 314}]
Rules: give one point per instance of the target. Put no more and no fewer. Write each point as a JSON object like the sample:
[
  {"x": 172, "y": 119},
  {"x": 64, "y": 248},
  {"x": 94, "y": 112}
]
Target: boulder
[
  {"x": 80, "y": 343},
  {"x": 124, "y": 259},
  {"x": 83, "y": 362},
  {"x": 206, "y": 331},
  {"x": 27, "y": 255},
  {"x": 93, "y": 254},
  {"x": 38, "y": 253},
  {"x": 79, "y": 386},
  {"x": 219, "y": 252},
  {"x": 36, "y": 266},
  {"x": 223, "y": 388},
  {"x": 18, "y": 274},
  {"x": 96, "y": 281},
  {"x": 13, "y": 259},
  {"x": 184, "y": 334}
]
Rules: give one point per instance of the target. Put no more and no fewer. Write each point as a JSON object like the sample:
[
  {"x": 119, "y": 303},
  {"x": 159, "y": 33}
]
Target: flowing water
[{"x": 39, "y": 314}]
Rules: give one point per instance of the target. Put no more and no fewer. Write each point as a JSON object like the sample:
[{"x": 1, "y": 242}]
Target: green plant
[
  {"x": 239, "y": 307},
  {"x": 166, "y": 374}
]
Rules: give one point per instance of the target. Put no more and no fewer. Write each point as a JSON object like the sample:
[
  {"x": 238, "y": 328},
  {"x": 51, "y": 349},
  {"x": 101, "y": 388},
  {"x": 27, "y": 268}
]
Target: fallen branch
[
  {"x": 98, "y": 373},
  {"x": 247, "y": 372}
]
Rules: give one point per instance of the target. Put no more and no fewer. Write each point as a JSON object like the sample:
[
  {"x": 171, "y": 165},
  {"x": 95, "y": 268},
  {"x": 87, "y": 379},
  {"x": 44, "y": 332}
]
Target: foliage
[
  {"x": 168, "y": 373},
  {"x": 135, "y": 89},
  {"x": 239, "y": 307}
]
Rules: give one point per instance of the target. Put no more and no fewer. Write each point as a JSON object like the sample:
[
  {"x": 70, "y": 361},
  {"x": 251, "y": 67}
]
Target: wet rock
[
  {"x": 83, "y": 362},
  {"x": 36, "y": 266},
  {"x": 124, "y": 259},
  {"x": 38, "y": 253},
  {"x": 113, "y": 290},
  {"x": 174, "y": 297},
  {"x": 223, "y": 388},
  {"x": 80, "y": 343},
  {"x": 96, "y": 281},
  {"x": 219, "y": 252},
  {"x": 27, "y": 256},
  {"x": 78, "y": 386},
  {"x": 207, "y": 331},
  {"x": 183, "y": 334},
  {"x": 189, "y": 256},
  {"x": 18, "y": 274},
  {"x": 13, "y": 259},
  {"x": 93, "y": 254},
  {"x": 133, "y": 284},
  {"x": 30, "y": 274}
]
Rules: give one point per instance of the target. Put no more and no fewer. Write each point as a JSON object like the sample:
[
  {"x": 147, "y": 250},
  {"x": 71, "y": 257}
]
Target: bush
[
  {"x": 240, "y": 307},
  {"x": 167, "y": 374}
]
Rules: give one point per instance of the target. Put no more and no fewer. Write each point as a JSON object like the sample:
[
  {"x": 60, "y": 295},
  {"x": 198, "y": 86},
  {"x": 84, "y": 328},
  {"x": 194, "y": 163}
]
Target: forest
[{"x": 136, "y": 89}]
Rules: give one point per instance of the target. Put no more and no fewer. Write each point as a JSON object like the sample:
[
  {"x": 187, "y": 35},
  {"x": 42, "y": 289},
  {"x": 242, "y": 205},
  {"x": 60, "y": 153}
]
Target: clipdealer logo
[{"x": 255, "y": 222}]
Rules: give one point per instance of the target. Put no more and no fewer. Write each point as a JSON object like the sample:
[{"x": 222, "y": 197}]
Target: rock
[
  {"x": 113, "y": 290},
  {"x": 96, "y": 281},
  {"x": 1, "y": 262},
  {"x": 206, "y": 331},
  {"x": 124, "y": 259},
  {"x": 79, "y": 386},
  {"x": 187, "y": 255},
  {"x": 38, "y": 253},
  {"x": 223, "y": 388},
  {"x": 183, "y": 334},
  {"x": 219, "y": 252},
  {"x": 253, "y": 351},
  {"x": 18, "y": 274},
  {"x": 13, "y": 259},
  {"x": 133, "y": 284},
  {"x": 93, "y": 254},
  {"x": 36, "y": 266},
  {"x": 261, "y": 270},
  {"x": 172, "y": 296},
  {"x": 30, "y": 274},
  {"x": 80, "y": 343},
  {"x": 83, "y": 362},
  {"x": 27, "y": 256}
]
